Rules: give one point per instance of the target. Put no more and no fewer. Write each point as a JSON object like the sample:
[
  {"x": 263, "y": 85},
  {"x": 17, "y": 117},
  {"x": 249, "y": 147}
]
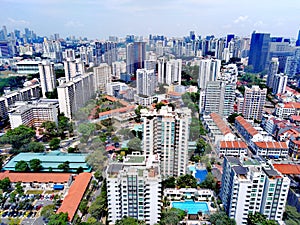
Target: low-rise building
[
  {"x": 33, "y": 113},
  {"x": 174, "y": 194},
  {"x": 271, "y": 149},
  {"x": 285, "y": 110},
  {"x": 232, "y": 148}
]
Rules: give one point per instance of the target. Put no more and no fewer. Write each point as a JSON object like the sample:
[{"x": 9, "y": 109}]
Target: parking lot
[{"x": 27, "y": 207}]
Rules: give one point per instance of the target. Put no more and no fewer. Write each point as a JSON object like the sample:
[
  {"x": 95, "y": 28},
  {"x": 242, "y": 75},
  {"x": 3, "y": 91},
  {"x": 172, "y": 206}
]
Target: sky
[{"x": 99, "y": 19}]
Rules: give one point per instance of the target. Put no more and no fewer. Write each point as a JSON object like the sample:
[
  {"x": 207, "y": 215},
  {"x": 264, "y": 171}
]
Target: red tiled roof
[
  {"x": 35, "y": 177},
  {"x": 295, "y": 105},
  {"x": 295, "y": 118},
  {"x": 233, "y": 144},
  {"x": 271, "y": 145},
  {"x": 220, "y": 123},
  {"x": 247, "y": 126},
  {"x": 75, "y": 194},
  {"x": 287, "y": 168}
]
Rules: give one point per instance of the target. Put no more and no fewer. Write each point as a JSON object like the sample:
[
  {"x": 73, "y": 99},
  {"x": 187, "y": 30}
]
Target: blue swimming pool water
[
  {"x": 191, "y": 206},
  {"x": 200, "y": 175}
]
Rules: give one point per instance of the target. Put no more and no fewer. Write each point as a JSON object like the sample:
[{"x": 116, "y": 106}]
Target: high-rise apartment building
[
  {"x": 146, "y": 81},
  {"x": 254, "y": 101},
  {"x": 272, "y": 71},
  {"x": 73, "y": 68},
  {"x": 173, "y": 71},
  {"x": 102, "y": 76},
  {"x": 279, "y": 84},
  {"x": 75, "y": 93},
  {"x": 134, "y": 190},
  {"x": 259, "y": 48},
  {"x": 135, "y": 56},
  {"x": 47, "y": 77},
  {"x": 219, "y": 98},
  {"x": 250, "y": 186},
  {"x": 166, "y": 134},
  {"x": 209, "y": 70}
]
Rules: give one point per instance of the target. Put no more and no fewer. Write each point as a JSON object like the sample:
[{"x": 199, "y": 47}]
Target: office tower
[
  {"x": 219, "y": 49},
  {"x": 47, "y": 77},
  {"x": 102, "y": 76},
  {"x": 75, "y": 93},
  {"x": 254, "y": 101},
  {"x": 279, "y": 84},
  {"x": 229, "y": 38},
  {"x": 219, "y": 98},
  {"x": 290, "y": 68},
  {"x": 250, "y": 186},
  {"x": 259, "y": 49},
  {"x": 73, "y": 68},
  {"x": 209, "y": 70},
  {"x": 159, "y": 48},
  {"x": 298, "y": 39},
  {"x": 173, "y": 71},
  {"x": 52, "y": 50},
  {"x": 273, "y": 69},
  {"x": 178, "y": 48},
  {"x": 135, "y": 56},
  {"x": 134, "y": 190},
  {"x": 146, "y": 82},
  {"x": 166, "y": 134},
  {"x": 86, "y": 54}
]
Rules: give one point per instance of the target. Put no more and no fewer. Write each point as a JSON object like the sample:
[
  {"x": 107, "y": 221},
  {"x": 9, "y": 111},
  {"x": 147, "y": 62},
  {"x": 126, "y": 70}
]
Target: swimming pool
[
  {"x": 200, "y": 175},
  {"x": 191, "y": 206}
]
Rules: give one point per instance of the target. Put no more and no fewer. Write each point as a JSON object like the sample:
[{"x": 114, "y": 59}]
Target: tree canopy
[
  {"x": 291, "y": 216},
  {"x": 259, "y": 219},
  {"x": 65, "y": 166},
  {"x": 54, "y": 143},
  {"x": 58, "y": 219},
  {"x": 171, "y": 216},
  {"x": 35, "y": 147},
  {"x": 135, "y": 144},
  {"x": 5, "y": 184},
  {"x": 18, "y": 137},
  {"x": 99, "y": 207},
  {"x": 35, "y": 165},
  {"x": 22, "y": 166},
  {"x": 221, "y": 218},
  {"x": 187, "y": 180}
]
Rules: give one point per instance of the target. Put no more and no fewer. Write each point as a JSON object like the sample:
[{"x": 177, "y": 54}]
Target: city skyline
[{"x": 100, "y": 19}]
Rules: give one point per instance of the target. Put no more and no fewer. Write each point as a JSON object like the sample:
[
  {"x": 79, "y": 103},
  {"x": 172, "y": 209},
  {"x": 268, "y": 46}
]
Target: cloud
[
  {"x": 241, "y": 19},
  {"x": 73, "y": 23},
  {"x": 15, "y": 22},
  {"x": 258, "y": 23}
]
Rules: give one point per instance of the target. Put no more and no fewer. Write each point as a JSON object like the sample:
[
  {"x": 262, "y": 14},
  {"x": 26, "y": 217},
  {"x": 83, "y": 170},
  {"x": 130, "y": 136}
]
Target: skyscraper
[
  {"x": 73, "y": 68},
  {"x": 102, "y": 76},
  {"x": 146, "y": 81},
  {"x": 135, "y": 56},
  {"x": 259, "y": 48},
  {"x": 254, "y": 101},
  {"x": 251, "y": 186},
  {"x": 47, "y": 77},
  {"x": 273, "y": 69},
  {"x": 173, "y": 71},
  {"x": 298, "y": 39},
  {"x": 166, "y": 135}
]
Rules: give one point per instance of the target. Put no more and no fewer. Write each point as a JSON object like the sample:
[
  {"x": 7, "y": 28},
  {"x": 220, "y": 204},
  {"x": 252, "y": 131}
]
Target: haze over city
[{"x": 99, "y": 19}]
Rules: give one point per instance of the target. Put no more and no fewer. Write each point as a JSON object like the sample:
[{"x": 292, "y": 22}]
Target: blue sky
[{"x": 173, "y": 18}]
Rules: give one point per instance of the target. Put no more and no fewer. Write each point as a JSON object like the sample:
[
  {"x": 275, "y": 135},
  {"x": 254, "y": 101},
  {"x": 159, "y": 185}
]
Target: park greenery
[
  {"x": 5, "y": 184},
  {"x": 58, "y": 219},
  {"x": 291, "y": 216},
  {"x": 98, "y": 208},
  {"x": 13, "y": 82},
  {"x": 259, "y": 219},
  {"x": 171, "y": 216},
  {"x": 34, "y": 165},
  {"x": 221, "y": 218}
]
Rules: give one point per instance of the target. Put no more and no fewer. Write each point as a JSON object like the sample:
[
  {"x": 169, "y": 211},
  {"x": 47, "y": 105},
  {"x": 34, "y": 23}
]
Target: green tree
[
  {"x": 58, "y": 219},
  {"x": 221, "y": 218},
  {"x": 127, "y": 221},
  {"x": 35, "y": 165},
  {"x": 135, "y": 144},
  {"x": 201, "y": 145},
  {"x": 19, "y": 189},
  {"x": 47, "y": 211},
  {"x": 52, "y": 94},
  {"x": 169, "y": 183},
  {"x": 258, "y": 218},
  {"x": 54, "y": 143},
  {"x": 86, "y": 130},
  {"x": 14, "y": 221},
  {"x": 22, "y": 166},
  {"x": 231, "y": 117},
  {"x": 172, "y": 216},
  {"x": 64, "y": 125},
  {"x": 83, "y": 206},
  {"x": 186, "y": 181},
  {"x": 98, "y": 208},
  {"x": 291, "y": 216},
  {"x": 18, "y": 137},
  {"x": 65, "y": 166},
  {"x": 35, "y": 147},
  {"x": 5, "y": 184},
  {"x": 209, "y": 182},
  {"x": 96, "y": 159},
  {"x": 50, "y": 129}
]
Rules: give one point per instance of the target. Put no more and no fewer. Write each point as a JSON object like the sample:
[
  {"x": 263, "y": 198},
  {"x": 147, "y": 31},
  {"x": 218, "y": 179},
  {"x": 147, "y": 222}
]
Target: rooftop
[
  {"x": 75, "y": 194},
  {"x": 35, "y": 177},
  {"x": 288, "y": 168},
  {"x": 271, "y": 145},
  {"x": 247, "y": 126},
  {"x": 233, "y": 144},
  {"x": 220, "y": 123}
]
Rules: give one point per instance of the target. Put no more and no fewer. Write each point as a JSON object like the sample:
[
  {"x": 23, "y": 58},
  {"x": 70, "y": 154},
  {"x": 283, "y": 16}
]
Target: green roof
[{"x": 135, "y": 159}]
